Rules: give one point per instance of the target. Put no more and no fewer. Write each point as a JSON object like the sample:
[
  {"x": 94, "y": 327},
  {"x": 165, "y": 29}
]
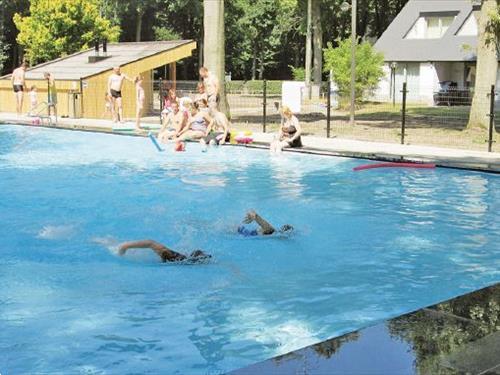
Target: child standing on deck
[
  {"x": 140, "y": 98},
  {"x": 33, "y": 100},
  {"x": 108, "y": 102}
]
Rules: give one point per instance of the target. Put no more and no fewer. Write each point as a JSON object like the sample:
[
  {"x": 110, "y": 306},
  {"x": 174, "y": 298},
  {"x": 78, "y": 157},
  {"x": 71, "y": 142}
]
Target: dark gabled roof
[
  {"x": 450, "y": 47},
  {"x": 77, "y": 66}
]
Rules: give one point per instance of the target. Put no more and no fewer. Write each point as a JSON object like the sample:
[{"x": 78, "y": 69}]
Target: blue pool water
[{"x": 368, "y": 246}]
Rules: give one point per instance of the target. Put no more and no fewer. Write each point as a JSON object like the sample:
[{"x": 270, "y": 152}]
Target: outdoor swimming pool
[{"x": 368, "y": 246}]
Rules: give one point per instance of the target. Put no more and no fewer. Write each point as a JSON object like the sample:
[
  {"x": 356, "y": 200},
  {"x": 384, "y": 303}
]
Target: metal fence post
[
  {"x": 264, "y": 105},
  {"x": 403, "y": 115},
  {"x": 328, "y": 107},
  {"x": 160, "y": 91},
  {"x": 492, "y": 118}
]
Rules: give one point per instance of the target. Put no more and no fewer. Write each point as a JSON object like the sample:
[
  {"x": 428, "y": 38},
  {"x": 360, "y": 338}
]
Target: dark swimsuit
[
  {"x": 18, "y": 88},
  {"x": 289, "y": 133},
  {"x": 116, "y": 94}
]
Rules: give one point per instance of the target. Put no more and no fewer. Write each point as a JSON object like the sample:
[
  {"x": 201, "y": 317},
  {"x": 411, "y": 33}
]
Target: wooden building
[{"x": 82, "y": 78}]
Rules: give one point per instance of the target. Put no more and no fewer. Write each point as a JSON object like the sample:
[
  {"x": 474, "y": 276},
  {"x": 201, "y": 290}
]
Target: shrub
[{"x": 369, "y": 70}]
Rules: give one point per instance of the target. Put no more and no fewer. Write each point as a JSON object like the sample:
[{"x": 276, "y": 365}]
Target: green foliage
[
  {"x": 4, "y": 55},
  {"x": 254, "y": 87},
  {"x": 164, "y": 33},
  {"x": 58, "y": 27},
  {"x": 369, "y": 65},
  {"x": 298, "y": 74},
  {"x": 493, "y": 29}
]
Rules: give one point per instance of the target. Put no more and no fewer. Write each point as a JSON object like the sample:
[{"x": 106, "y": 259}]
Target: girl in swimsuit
[
  {"x": 197, "y": 126},
  {"x": 290, "y": 131}
]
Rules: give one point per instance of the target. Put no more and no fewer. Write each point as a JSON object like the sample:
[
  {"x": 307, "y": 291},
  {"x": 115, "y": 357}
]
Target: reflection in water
[{"x": 444, "y": 328}]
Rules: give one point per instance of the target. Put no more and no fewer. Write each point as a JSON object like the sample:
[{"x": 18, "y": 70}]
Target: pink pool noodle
[{"x": 394, "y": 165}]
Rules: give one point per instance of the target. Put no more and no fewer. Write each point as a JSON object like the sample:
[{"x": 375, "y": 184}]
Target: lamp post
[{"x": 354, "y": 6}]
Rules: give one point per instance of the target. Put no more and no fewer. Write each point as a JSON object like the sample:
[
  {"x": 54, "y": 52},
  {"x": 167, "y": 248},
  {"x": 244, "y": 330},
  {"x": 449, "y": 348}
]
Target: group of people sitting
[
  {"x": 195, "y": 120},
  {"x": 199, "y": 256}
]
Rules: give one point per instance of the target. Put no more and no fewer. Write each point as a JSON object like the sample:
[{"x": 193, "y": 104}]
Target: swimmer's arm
[
  {"x": 264, "y": 225},
  {"x": 157, "y": 247}
]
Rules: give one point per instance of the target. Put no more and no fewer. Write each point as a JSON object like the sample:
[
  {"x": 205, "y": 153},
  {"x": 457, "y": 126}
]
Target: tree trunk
[
  {"x": 486, "y": 71},
  {"x": 138, "y": 25},
  {"x": 254, "y": 64},
  {"x": 308, "y": 47},
  {"x": 317, "y": 45},
  {"x": 214, "y": 45}
]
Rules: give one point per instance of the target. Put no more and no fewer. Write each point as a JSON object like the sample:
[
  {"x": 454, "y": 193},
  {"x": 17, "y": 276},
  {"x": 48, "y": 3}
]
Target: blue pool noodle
[{"x": 155, "y": 142}]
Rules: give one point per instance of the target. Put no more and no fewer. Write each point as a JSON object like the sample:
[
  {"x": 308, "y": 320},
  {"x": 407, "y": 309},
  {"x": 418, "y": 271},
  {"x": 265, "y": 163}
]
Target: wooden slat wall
[{"x": 8, "y": 100}]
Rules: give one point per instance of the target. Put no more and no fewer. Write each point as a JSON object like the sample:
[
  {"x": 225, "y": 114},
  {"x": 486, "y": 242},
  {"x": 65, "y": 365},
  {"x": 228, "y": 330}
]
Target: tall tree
[
  {"x": 214, "y": 45},
  {"x": 486, "y": 69},
  {"x": 58, "y": 27},
  {"x": 317, "y": 43}
]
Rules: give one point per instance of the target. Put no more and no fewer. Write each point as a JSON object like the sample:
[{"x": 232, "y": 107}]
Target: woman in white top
[
  {"x": 140, "y": 97},
  {"x": 290, "y": 131}
]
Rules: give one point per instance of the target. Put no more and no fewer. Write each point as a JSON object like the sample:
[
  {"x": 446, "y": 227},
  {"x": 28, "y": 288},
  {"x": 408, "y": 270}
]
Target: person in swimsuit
[
  {"x": 265, "y": 229},
  {"x": 218, "y": 129},
  {"x": 18, "y": 85},
  {"x": 290, "y": 131},
  {"x": 202, "y": 95},
  {"x": 166, "y": 254},
  {"x": 211, "y": 85},
  {"x": 197, "y": 125},
  {"x": 140, "y": 97},
  {"x": 173, "y": 125},
  {"x": 52, "y": 93},
  {"x": 115, "y": 83}
]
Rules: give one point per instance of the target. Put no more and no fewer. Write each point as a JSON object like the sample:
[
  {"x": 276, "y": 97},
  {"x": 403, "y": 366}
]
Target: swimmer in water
[
  {"x": 166, "y": 254},
  {"x": 265, "y": 229}
]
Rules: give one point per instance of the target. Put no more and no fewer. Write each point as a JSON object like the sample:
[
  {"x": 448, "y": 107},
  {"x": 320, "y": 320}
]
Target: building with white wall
[{"x": 429, "y": 42}]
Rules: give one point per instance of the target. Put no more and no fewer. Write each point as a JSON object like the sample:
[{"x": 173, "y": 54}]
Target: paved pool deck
[{"x": 448, "y": 157}]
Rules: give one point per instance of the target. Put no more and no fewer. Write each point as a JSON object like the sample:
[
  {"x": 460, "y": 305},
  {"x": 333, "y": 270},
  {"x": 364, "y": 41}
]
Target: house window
[
  {"x": 431, "y": 26},
  {"x": 469, "y": 28}
]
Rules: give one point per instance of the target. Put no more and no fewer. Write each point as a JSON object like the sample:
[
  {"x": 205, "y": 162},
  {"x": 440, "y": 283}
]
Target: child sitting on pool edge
[{"x": 265, "y": 229}]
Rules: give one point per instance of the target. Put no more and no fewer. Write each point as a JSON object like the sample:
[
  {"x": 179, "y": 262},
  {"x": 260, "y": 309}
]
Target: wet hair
[{"x": 286, "y": 228}]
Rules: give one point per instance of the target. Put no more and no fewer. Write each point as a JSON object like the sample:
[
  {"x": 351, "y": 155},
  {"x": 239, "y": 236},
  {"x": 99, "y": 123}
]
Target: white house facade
[{"x": 429, "y": 42}]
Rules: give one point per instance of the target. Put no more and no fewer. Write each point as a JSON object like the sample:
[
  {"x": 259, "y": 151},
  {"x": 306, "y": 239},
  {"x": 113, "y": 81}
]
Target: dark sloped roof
[
  {"x": 77, "y": 66},
  {"x": 450, "y": 47}
]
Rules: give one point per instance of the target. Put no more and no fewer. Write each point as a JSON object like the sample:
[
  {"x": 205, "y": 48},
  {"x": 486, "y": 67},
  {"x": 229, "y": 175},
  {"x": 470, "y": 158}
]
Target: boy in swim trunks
[
  {"x": 166, "y": 254},
  {"x": 218, "y": 129},
  {"x": 115, "y": 83},
  {"x": 265, "y": 229}
]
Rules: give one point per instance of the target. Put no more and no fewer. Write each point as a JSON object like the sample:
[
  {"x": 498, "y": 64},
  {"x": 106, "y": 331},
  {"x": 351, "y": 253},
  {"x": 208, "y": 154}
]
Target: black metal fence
[{"x": 409, "y": 114}]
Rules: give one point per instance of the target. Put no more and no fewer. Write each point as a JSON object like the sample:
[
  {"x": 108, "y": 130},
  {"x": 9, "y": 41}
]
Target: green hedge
[{"x": 254, "y": 87}]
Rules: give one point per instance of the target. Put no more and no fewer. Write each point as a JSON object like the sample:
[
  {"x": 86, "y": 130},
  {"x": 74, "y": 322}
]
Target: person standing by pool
[
  {"x": 33, "y": 100},
  {"x": 52, "y": 93},
  {"x": 211, "y": 85},
  {"x": 265, "y": 228},
  {"x": 218, "y": 129},
  {"x": 166, "y": 254},
  {"x": 173, "y": 124},
  {"x": 140, "y": 97},
  {"x": 115, "y": 84},
  {"x": 197, "y": 125},
  {"x": 18, "y": 85},
  {"x": 289, "y": 133}
]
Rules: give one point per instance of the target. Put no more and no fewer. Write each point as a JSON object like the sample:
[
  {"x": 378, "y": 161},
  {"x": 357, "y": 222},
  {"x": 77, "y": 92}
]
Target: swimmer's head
[
  {"x": 287, "y": 228},
  {"x": 199, "y": 256}
]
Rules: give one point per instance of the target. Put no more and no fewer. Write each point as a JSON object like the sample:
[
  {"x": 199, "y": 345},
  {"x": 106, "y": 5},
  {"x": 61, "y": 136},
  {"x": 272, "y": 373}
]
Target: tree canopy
[
  {"x": 264, "y": 38},
  {"x": 59, "y": 27}
]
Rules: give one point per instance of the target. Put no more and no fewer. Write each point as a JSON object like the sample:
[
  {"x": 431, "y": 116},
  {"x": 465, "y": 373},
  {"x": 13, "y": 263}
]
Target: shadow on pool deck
[{"x": 460, "y": 336}]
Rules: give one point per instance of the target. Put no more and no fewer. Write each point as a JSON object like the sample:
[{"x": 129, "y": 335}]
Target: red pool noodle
[{"x": 394, "y": 165}]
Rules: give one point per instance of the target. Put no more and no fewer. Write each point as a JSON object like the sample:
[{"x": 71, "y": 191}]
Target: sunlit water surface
[{"x": 367, "y": 246}]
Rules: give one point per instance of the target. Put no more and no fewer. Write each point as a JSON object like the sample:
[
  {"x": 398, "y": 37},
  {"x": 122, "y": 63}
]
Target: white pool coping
[{"x": 459, "y": 158}]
